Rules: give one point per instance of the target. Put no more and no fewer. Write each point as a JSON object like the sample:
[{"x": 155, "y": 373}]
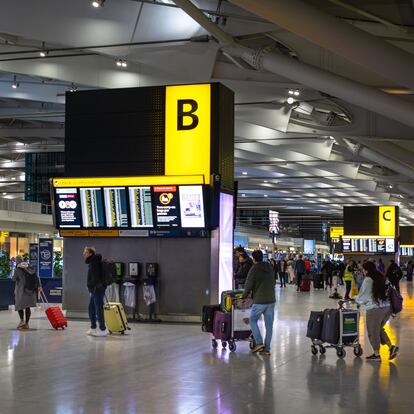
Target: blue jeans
[
  {"x": 96, "y": 311},
  {"x": 268, "y": 311}
]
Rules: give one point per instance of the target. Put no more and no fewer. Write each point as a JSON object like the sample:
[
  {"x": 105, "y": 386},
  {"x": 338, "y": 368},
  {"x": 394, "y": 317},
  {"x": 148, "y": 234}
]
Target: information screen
[
  {"x": 380, "y": 246},
  {"x": 92, "y": 207},
  {"x": 116, "y": 207},
  {"x": 68, "y": 208},
  {"x": 192, "y": 206},
  {"x": 167, "y": 210},
  {"x": 140, "y": 205},
  {"x": 390, "y": 245}
]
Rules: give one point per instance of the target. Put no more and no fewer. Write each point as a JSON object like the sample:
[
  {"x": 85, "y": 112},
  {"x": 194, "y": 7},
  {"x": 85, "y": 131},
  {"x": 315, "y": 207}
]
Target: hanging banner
[
  {"x": 34, "y": 256},
  {"x": 45, "y": 257}
]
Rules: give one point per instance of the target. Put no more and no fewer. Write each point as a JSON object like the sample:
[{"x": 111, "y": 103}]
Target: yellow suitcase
[{"x": 115, "y": 318}]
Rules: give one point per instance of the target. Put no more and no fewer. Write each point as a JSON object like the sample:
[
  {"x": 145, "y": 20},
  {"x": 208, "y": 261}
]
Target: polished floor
[{"x": 168, "y": 369}]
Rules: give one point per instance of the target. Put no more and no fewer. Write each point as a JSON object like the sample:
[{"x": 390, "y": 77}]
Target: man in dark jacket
[
  {"x": 261, "y": 284},
  {"x": 245, "y": 263},
  {"x": 97, "y": 292},
  {"x": 300, "y": 271}
]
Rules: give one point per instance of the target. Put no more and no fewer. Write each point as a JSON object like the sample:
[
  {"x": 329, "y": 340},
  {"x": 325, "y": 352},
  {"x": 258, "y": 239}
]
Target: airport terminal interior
[{"x": 153, "y": 153}]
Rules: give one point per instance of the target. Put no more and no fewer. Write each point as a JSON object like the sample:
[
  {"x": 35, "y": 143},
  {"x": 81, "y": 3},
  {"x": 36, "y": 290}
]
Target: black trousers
[
  {"x": 299, "y": 277},
  {"x": 22, "y": 314},
  {"x": 348, "y": 284},
  {"x": 283, "y": 278}
]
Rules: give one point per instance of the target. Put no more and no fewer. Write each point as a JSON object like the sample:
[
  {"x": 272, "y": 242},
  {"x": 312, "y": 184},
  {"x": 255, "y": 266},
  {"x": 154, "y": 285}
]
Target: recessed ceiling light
[
  {"x": 98, "y": 3},
  {"x": 265, "y": 195},
  {"x": 4, "y": 193},
  {"x": 15, "y": 84},
  {"x": 13, "y": 178},
  {"x": 265, "y": 181},
  {"x": 290, "y": 100},
  {"x": 244, "y": 172},
  {"x": 243, "y": 195}
]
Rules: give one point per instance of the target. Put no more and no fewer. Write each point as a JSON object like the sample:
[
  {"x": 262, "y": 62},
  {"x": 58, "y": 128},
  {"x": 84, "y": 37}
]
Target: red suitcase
[
  {"x": 305, "y": 285},
  {"x": 54, "y": 314}
]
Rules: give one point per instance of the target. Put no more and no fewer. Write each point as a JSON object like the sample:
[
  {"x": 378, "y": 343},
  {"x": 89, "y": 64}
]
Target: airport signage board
[{"x": 371, "y": 221}]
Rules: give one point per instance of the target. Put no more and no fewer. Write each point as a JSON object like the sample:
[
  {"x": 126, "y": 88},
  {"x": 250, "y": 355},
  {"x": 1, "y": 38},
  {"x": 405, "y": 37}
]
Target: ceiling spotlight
[
  {"x": 98, "y": 3},
  {"x": 243, "y": 195},
  {"x": 244, "y": 172},
  {"x": 121, "y": 63},
  {"x": 265, "y": 195},
  {"x": 291, "y": 91},
  {"x": 4, "y": 193},
  {"x": 15, "y": 84},
  {"x": 72, "y": 88},
  {"x": 13, "y": 178},
  {"x": 265, "y": 181},
  {"x": 296, "y": 92},
  {"x": 43, "y": 52},
  {"x": 290, "y": 100}
]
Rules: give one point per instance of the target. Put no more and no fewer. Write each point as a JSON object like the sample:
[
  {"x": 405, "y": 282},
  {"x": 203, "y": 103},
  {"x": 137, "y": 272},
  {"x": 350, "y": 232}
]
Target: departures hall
[{"x": 206, "y": 206}]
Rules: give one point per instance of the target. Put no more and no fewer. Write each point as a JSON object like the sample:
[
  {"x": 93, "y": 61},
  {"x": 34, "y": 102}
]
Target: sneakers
[
  {"x": 264, "y": 352},
  {"x": 257, "y": 348},
  {"x": 91, "y": 331},
  {"x": 393, "y": 352},
  {"x": 100, "y": 333},
  {"x": 373, "y": 357}
]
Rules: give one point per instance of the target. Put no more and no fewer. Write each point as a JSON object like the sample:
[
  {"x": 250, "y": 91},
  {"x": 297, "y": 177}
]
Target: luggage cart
[
  {"x": 240, "y": 330},
  {"x": 348, "y": 333}
]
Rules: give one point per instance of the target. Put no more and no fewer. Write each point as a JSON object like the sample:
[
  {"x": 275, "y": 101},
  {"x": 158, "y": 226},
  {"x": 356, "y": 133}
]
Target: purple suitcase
[{"x": 222, "y": 326}]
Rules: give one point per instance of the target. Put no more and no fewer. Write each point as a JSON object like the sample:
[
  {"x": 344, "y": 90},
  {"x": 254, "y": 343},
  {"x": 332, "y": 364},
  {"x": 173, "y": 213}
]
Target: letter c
[{"x": 384, "y": 215}]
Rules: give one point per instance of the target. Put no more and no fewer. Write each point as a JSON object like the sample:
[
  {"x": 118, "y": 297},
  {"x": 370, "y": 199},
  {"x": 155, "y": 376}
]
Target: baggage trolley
[
  {"x": 240, "y": 328},
  {"x": 348, "y": 333}
]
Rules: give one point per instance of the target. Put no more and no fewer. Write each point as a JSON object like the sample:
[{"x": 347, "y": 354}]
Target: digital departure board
[
  {"x": 363, "y": 245},
  {"x": 116, "y": 207},
  {"x": 68, "y": 208},
  {"x": 166, "y": 202},
  {"x": 192, "y": 206},
  {"x": 140, "y": 204},
  {"x": 92, "y": 207}
]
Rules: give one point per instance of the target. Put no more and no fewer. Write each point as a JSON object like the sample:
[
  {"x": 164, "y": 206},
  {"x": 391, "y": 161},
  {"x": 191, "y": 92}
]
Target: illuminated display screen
[
  {"x": 141, "y": 207},
  {"x": 379, "y": 246},
  {"x": 116, "y": 207},
  {"x": 92, "y": 207},
  {"x": 192, "y": 206},
  {"x": 68, "y": 208}
]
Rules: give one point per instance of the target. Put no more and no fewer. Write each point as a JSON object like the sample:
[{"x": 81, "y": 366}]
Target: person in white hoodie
[{"x": 373, "y": 296}]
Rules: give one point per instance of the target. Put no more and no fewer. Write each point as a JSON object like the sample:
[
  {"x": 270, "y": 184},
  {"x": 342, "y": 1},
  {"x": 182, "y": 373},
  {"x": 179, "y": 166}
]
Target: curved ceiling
[{"x": 346, "y": 139}]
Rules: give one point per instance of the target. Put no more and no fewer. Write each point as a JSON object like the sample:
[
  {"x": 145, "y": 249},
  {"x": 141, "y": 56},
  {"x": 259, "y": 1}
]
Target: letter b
[{"x": 181, "y": 114}]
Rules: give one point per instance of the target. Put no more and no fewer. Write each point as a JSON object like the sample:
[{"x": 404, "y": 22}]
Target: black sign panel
[
  {"x": 361, "y": 221},
  {"x": 166, "y": 204},
  {"x": 67, "y": 208}
]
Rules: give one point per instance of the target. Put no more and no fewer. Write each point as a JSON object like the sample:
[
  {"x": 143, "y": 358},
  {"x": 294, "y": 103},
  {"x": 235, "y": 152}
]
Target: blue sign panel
[
  {"x": 45, "y": 257},
  {"x": 34, "y": 256}
]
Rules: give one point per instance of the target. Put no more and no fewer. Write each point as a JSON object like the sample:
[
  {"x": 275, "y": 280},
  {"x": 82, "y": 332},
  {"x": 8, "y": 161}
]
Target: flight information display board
[
  {"x": 158, "y": 210},
  {"x": 378, "y": 246},
  {"x": 67, "y": 208},
  {"x": 116, "y": 207},
  {"x": 92, "y": 207},
  {"x": 140, "y": 205}
]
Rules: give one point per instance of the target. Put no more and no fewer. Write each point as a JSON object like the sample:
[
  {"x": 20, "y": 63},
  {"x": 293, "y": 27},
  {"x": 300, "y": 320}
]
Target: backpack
[
  {"x": 108, "y": 272},
  {"x": 396, "y": 300},
  {"x": 31, "y": 282}
]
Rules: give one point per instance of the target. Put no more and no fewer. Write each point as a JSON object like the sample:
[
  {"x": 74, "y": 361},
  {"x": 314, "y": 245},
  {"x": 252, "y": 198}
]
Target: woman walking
[
  {"x": 373, "y": 295},
  {"x": 25, "y": 291}
]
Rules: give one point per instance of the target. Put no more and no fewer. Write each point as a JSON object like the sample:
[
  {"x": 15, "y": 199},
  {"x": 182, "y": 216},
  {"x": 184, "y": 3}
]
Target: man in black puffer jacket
[{"x": 97, "y": 292}]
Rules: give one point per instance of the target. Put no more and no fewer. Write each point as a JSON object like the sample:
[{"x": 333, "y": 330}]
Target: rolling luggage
[
  {"x": 54, "y": 314},
  {"x": 305, "y": 285},
  {"x": 227, "y": 298},
  {"x": 207, "y": 318},
  {"x": 115, "y": 318},
  {"x": 222, "y": 326},
  {"x": 315, "y": 324},
  {"x": 330, "y": 326},
  {"x": 318, "y": 282}
]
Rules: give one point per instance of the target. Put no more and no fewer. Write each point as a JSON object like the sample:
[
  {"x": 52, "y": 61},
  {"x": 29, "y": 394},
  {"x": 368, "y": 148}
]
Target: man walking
[
  {"x": 261, "y": 283},
  {"x": 97, "y": 292},
  {"x": 300, "y": 271}
]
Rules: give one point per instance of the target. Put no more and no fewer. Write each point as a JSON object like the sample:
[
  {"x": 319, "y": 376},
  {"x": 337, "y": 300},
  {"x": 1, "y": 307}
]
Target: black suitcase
[
  {"x": 330, "y": 326},
  {"x": 318, "y": 281},
  {"x": 315, "y": 324},
  {"x": 207, "y": 319}
]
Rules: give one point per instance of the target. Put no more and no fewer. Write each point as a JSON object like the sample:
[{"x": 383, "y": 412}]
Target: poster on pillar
[
  {"x": 45, "y": 257},
  {"x": 34, "y": 256}
]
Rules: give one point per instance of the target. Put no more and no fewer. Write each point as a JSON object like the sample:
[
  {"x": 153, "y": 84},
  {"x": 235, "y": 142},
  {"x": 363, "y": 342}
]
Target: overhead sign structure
[
  {"x": 336, "y": 232},
  {"x": 387, "y": 221}
]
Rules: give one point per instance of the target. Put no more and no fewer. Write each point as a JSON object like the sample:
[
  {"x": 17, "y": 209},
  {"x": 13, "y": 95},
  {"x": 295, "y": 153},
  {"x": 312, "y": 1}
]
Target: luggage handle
[{"x": 43, "y": 298}]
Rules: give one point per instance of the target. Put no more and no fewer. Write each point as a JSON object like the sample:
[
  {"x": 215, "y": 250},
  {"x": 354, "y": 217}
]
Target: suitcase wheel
[
  {"x": 232, "y": 346},
  {"x": 214, "y": 343},
  {"x": 314, "y": 350},
  {"x": 122, "y": 332},
  {"x": 224, "y": 344}
]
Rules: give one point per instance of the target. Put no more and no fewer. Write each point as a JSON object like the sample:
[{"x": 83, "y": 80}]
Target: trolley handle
[{"x": 342, "y": 302}]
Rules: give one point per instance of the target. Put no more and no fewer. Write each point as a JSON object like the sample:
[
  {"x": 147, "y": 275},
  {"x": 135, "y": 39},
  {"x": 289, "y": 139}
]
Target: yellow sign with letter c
[{"x": 387, "y": 221}]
